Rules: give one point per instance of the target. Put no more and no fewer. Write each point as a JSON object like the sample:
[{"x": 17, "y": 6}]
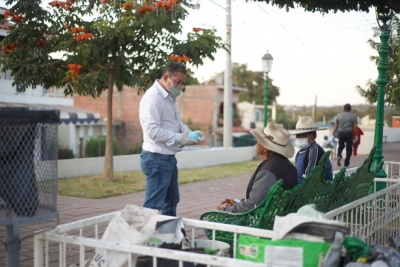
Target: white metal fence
[
  {"x": 74, "y": 243},
  {"x": 377, "y": 217}
]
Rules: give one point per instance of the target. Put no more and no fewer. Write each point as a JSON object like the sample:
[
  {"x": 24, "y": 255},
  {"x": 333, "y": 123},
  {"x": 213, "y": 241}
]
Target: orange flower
[
  {"x": 41, "y": 42},
  {"x": 160, "y": 4},
  {"x": 6, "y": 14},
  {"x": 127, "y": 5},
  {"x": 104, "y": 1},
  {"x": 66, "y": 26},
  {"x": 57, "y": 4},
  {"x": 142, "y": 9},
  {"x": 185, "y": 59},
  {"x": 17, "y": 18},
  {"x": 75, "y": 68},
  {"x": 196, "y": 29},
  {"x": 83, "y": 36},
  {"x": 179, "y": 59},
  {"x": 9, "y": 48},
  {"x": 77, "y": 29},
  {"x": 151, "y": 8},
  {"x": 169, "y": 5},
  {"x": 172, "y": 57}
]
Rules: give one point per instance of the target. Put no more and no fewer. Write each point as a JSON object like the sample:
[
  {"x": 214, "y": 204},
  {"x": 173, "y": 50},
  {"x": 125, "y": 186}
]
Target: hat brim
[
  {"x": 287, "y": 151},
  {"x": 292, "y": 132}
]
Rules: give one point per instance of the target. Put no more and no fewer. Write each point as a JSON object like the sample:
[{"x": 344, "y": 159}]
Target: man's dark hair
[
  {"x": 347, "y": 107},
  {"x": 173, "y": 68}
]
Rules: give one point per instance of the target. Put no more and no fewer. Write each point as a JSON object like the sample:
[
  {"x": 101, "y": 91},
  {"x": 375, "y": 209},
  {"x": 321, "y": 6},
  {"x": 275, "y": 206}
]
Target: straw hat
[
  {"x": 305, "y": 124},
  {"x": 275, "y": 138}
]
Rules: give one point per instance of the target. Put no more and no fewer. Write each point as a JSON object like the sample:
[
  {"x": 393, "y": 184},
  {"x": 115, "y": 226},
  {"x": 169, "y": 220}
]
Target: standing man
[
  {"x": 164, "y": 134},
  {"x": 310, "y": 152},
  {"x": 345, "y": 126}
]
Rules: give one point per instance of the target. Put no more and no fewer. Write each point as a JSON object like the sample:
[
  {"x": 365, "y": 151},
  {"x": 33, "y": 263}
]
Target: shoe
[{"x": 338, "y": 161}]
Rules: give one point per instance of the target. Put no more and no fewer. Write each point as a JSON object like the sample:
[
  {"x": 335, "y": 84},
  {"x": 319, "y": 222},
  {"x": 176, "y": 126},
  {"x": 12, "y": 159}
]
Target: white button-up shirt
[{"x": 159, "y": 118}]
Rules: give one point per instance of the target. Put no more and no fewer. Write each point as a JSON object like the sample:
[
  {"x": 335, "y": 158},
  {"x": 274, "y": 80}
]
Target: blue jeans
[{"x": 162, "y": 191}]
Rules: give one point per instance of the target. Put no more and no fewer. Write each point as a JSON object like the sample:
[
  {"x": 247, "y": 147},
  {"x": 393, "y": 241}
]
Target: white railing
[
  {"x": 74, "y": 243},
  {"x": 391, "y": 168},
  {"x": 376, "y": 217}
]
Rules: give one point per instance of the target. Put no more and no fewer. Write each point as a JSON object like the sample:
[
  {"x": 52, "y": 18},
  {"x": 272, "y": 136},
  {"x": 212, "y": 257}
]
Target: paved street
[{"x": 195, "y": 199}]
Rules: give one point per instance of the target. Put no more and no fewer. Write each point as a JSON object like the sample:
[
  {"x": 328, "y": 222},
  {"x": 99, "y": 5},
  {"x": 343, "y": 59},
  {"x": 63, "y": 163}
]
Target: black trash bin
[{"x": 28, "y": 170}]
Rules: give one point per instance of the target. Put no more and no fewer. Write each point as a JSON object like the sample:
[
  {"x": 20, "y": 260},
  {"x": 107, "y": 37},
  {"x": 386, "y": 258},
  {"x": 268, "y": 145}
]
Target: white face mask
[
  {"x": 174, "y": 90},
  {"x": 301, "y": 142}
]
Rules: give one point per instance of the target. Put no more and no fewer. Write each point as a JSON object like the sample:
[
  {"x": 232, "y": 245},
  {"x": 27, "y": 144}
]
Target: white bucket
[{"x": 222, "y": 247}]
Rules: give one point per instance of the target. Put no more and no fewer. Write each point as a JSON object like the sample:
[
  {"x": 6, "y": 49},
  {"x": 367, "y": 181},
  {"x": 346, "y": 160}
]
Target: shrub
[
  {"x": 65, "y": 153},
  {"x": 134, "y": 149},
  {"x": 96, "y": 147}
]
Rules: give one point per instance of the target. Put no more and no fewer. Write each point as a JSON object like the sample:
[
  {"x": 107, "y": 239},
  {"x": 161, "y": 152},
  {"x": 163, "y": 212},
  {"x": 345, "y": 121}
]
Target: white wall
[
  {"x": 63, "y": 136},
  {"x": 186, "y": 159}
]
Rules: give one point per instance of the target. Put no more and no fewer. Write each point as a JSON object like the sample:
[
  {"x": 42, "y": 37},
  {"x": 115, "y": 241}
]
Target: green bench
[{"x": 326, "y": 195}]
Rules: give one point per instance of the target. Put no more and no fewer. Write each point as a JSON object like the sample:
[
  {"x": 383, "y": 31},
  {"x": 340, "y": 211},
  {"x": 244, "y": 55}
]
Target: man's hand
[
  {"x": 220, "y": 208},
  {"x": 186, "y": 141},
  {"x": 228, "y": 202}
]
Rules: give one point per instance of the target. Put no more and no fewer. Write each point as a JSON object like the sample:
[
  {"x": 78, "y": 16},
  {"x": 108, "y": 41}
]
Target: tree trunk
[{"x": 108, "y": 159}]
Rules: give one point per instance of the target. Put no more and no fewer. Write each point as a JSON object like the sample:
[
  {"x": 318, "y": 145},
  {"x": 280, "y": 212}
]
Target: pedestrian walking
[{"x": 345, "y": 126}]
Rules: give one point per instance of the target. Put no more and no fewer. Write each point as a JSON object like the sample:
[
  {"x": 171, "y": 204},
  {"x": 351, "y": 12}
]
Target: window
[{"x": 258, "y": 115}]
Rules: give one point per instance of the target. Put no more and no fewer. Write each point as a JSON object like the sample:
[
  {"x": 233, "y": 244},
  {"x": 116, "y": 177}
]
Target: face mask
[
  {"x": 174, "y": 90},
  {"x": 301, "y": 142}
]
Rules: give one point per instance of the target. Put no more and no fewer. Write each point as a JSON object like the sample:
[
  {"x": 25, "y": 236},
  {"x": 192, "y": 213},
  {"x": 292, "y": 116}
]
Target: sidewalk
[{"x": 196, "y": 198}]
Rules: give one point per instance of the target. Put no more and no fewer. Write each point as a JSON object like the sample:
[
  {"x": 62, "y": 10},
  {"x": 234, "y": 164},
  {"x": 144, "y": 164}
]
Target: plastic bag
[{"x": 132, "y": 226}]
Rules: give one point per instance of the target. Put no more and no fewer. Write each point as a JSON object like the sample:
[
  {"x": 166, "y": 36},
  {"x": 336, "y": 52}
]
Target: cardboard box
[{"x": 282, "y": 253}]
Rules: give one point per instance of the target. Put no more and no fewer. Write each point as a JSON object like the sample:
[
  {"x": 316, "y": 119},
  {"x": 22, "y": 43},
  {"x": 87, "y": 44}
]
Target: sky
[
  {"x": 315, "y": 55},
  {"x": 323, "y": 55}
]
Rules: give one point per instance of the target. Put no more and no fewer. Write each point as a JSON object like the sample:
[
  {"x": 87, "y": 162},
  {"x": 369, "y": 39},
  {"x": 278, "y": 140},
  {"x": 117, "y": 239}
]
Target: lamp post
[
  {"x": 267, "y": 65},
  {"x": 228, "y": 79},
  {"x": 383, "y": 17}
]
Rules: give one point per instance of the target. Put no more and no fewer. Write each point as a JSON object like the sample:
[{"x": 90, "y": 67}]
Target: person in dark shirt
[
  {"x": 310, "y": 152},
  {"x": 274, "y": 148}
]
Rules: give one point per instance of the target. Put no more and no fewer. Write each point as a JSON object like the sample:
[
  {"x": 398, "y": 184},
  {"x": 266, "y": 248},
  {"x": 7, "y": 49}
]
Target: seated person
[
  {"x": 274, "y": 148},
  {"x": 310, "y": 152},
  {"x": 329, "y": 142}
]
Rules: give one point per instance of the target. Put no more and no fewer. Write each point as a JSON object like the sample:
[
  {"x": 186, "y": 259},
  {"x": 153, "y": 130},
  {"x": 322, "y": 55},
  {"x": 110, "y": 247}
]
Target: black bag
[{"x": 17, "y": 173}]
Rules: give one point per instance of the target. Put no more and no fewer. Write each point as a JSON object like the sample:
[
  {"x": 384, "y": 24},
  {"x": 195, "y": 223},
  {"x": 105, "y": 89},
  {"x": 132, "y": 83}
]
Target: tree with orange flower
[{"x": 104, "y": 44}]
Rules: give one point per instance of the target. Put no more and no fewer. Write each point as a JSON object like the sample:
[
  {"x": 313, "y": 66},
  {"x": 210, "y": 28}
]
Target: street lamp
[
  {"x": 384, "y": 19},
  {"x": 267, "y": 66}
]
